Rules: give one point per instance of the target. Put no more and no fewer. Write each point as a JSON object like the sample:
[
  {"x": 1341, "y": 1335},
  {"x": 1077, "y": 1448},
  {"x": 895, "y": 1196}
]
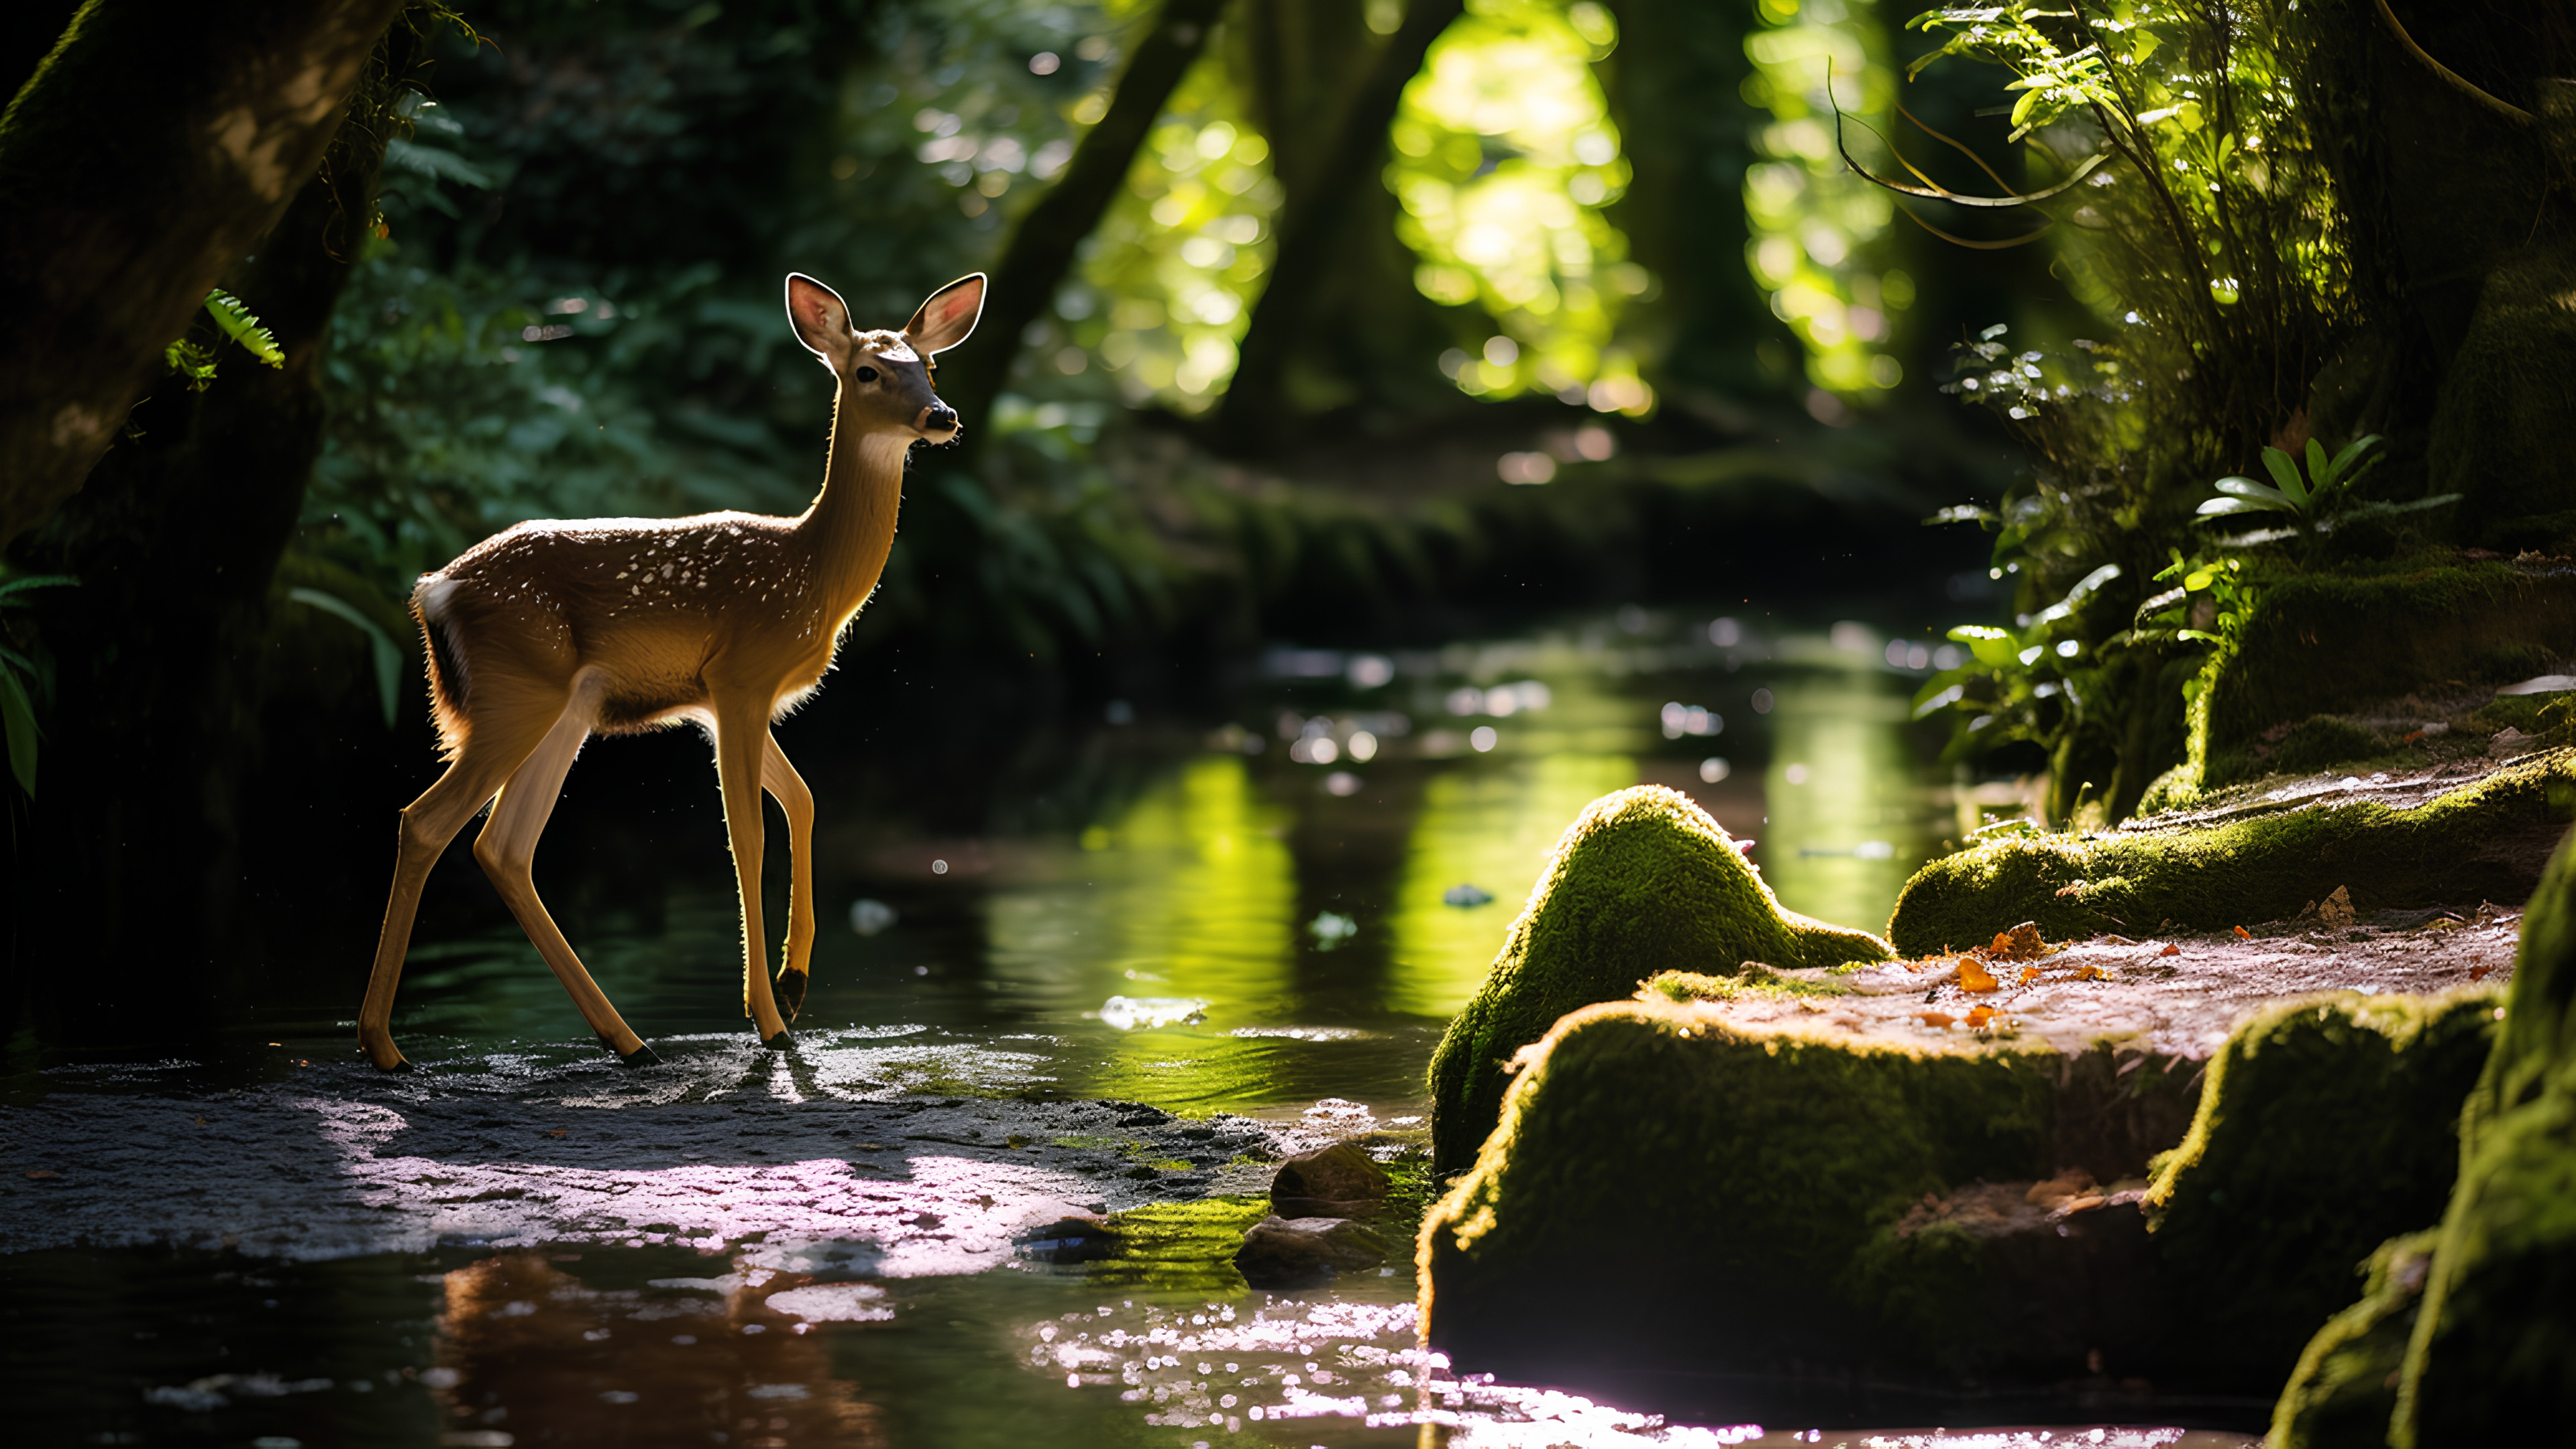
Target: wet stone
[
  {"x": 1335, "y": 1181},
  {"x": 1282, "y": 1252}
]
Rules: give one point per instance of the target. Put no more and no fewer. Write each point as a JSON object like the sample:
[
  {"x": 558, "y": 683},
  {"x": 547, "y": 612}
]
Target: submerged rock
[
  {"x": 1282, "y": 1252},
  {"x": 1336, "y": 1181},
  {"x": 1642, "y": 882},
  {"x": 1731, "y": 1175},
  {"x": 2485, "y": 840}
]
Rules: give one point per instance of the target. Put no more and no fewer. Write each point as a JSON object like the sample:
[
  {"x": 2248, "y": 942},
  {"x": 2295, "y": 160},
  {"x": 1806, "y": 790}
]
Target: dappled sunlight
[
  {"x": 1504, "y": 158},
  {"x": 1816, "y": 226}
]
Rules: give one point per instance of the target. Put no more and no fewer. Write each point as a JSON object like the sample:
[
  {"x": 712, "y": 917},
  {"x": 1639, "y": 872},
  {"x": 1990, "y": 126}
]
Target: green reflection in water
[
  {"x": 1192, "y": 892},
  {"x": 1491, "y": 828},
  {"x": 1843, "y": 833}
]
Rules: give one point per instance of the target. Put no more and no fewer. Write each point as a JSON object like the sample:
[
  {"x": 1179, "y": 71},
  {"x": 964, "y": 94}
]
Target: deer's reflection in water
[{"x": 550, "y": 1349}]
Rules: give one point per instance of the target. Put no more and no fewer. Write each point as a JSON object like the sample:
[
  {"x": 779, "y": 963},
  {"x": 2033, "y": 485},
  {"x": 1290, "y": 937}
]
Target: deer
[{"x": 550, "y": 632}]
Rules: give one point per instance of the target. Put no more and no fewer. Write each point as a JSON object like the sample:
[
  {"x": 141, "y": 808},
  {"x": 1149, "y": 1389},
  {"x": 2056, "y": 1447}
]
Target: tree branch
[{"x": 1042, "y": 245}]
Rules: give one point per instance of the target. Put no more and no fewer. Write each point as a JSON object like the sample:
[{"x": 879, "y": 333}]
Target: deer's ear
[
  {"x": 949, "y": 315},
  {"x": 821, "y": 319}
]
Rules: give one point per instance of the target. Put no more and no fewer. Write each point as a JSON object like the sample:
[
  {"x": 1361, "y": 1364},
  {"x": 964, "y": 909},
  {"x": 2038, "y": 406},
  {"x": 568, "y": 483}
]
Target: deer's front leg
[
  {"x": 742, "y": 736},
  {"x": 779, "y": 778}
]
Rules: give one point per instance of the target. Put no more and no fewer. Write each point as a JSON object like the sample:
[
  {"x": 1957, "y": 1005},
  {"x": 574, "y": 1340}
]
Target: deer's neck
[{"x": 851, "y": 525}]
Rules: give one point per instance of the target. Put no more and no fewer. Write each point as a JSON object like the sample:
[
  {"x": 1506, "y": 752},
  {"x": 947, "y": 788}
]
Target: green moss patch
[
  {"x": 2344, "y": 1391},
  {"x": 1643, "y": 882},
  {"x": 2493, "y": 1343},
  {"x": 1688, "y": 1187},
  {"x": 2326, "y": 1126},
  {"x": 2485, "y": 841}
]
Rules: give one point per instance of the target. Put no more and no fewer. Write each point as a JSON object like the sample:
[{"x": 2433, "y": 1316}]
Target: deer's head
[{"x": 886, "y": 376}]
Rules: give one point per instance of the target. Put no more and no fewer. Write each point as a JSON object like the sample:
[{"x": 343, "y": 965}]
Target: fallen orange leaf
[
  {"x": 1930, "y": 1018},
  {"x": 2090, "y": 972},
  {"x": 2243, "y": 934},
  {"x": 1973, "y": 977},
  {"x": 2075, "y": 889},
  {"x": 2170, "y": 950},
  {"x": 2029, "y": 974},
  {"x": 2479, "y": 973},
  {"x": 1980, "y": 1015},
  {"x": 2021, "y": 943}
]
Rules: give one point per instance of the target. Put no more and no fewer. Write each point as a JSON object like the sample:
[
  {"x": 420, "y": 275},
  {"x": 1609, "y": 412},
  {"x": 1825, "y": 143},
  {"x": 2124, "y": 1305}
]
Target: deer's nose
[{"x": 939, "y": 418}]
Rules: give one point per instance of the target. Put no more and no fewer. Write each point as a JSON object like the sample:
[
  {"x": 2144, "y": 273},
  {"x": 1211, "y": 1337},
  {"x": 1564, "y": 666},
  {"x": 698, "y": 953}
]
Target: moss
[
  {"x": 1642, "y": 882},
  {"x": 2490, "y": 1354},
  {"x": 2345, "y": 1388},
  {"x": 2482, "y": 842},
  {"x": 2322, "y": 740},
  {"x": 1754, "y": 980},
  {"x": 1656, "y": 1168},
  {"x": 2503, "y": 431},
  {"x": 2327, "y": 1125},
  {"x": 2337, "y": 643}
]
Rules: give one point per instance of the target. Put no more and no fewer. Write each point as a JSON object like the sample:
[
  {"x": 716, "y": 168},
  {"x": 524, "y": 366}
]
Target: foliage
[
  {"x": 2304, "y": 499},
  {"x": 195, "y": 360},
  {"x": 1818, "y": 230},
  {"x": 2033, "y": 682},
  {"x": 1505, "y": 158},
  {"x": 26, "y": 676}
]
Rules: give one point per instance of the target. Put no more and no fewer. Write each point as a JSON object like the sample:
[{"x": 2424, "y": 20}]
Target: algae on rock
[
  {"x": 1643, "y": 882},
  {"x": 2485, "y": 841}
]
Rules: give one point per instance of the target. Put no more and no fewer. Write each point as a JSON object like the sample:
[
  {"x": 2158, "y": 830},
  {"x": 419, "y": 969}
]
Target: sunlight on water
[
  {"x": 1190, "y": 893},
  {"x": 1843, "y": 832},
  {"x": 1492, "y": 829}
]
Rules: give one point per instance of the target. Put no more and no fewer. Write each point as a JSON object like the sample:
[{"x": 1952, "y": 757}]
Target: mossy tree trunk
[
  {"x": 130, "y": 888},
  {"x": 151, "y": 149}
]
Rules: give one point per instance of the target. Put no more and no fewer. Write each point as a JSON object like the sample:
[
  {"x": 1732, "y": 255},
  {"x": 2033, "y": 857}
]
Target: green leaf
[
  {"x": 2350, "y": 451},
  {"x": 36, "y": 581},
  {"x": 388, "y": 659},
  {"x": 1993, "y": 647},
  {"x": 2221, "y": 507},
  {"x": 18, "y": 719},
  {"x": 2320, "y": 473},
  {"x": 239, "y": 325},
  {"x": 2286, "y": 473}
]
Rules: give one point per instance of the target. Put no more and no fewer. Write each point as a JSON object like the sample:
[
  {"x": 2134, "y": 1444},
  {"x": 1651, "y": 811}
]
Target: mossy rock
[
  {"x": 2485, "y": 841},
  {"x": 2336, "y": 644},
  {"x": 2323, "y": 740},
  {"x": 2505, "y": 428},
  {"x": 1677, "y": 1187},
  {"x": 2344, "y": 1391},
  {"x": 1643, "y": 882},
  {"x": 2326, "y": 1127},
  {"x": 2491, "y": 1356}
]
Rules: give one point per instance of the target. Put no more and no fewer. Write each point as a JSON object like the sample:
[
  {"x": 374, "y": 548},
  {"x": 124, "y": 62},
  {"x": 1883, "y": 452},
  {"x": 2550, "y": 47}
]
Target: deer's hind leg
[
  {"x": 501, "y": 736},
  {"x": 780, "y": 779},
  {"x": 507, "y": 851}
]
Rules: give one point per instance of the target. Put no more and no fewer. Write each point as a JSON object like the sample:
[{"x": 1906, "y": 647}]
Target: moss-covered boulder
[
  {"x": 1847, "y": 1180},
  {"x": 2364, "y": 1095},
  {"x": 2344, "y": 1390},
  {"x": 2493, "y": 1355},
  {"x": 2486, "y": 840},
  {"x": 2506, "y": 427},
  {"x": 1642, "y": 882}
]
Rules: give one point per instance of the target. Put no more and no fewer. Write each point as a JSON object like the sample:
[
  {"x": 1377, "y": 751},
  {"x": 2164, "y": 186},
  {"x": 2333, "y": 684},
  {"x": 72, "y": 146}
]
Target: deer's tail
[{"x": 449, "y": 680}]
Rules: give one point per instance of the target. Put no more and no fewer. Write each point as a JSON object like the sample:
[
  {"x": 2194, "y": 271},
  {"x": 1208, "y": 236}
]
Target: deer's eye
[{"x": 867, "y": 374}]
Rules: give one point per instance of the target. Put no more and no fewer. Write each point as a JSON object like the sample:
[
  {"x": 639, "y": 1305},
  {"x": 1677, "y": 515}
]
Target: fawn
[{"x": 550, "y": 632}]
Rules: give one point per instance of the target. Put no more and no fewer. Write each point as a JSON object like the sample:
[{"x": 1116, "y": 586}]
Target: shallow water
[{"x": 1254, "y": 923}]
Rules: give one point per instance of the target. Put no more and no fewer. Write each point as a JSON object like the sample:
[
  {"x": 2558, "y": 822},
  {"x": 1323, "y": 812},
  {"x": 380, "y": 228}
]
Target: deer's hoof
[
  {"x": 642, "y": 1056},
  {"x": 780, "y": 1042},
  {"x": 389, "y": 1060}
]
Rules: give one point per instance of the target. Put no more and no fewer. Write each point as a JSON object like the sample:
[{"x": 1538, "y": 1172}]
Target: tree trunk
[
  {"x": 151, "y": 149},
  {"x": 1042, "y": 245},
  {"x": 1675, "y": 89},
  {"x": 1340, "y": 205},
  {"x": 130, "y": 885}
]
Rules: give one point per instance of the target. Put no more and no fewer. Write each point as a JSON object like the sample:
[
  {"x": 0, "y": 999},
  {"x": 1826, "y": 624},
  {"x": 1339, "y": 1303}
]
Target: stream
[{"x": 1120, "y": 984}]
